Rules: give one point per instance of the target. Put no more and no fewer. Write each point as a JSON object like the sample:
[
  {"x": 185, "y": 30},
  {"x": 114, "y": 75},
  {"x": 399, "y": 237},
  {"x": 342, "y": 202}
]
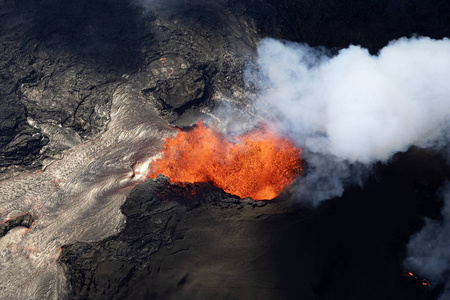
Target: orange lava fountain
[{"x": 256, "y": 165}]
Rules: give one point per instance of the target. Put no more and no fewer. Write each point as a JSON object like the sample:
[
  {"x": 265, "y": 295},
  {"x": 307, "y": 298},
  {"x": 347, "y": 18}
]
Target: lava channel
[{"x": 259, "y": 164}]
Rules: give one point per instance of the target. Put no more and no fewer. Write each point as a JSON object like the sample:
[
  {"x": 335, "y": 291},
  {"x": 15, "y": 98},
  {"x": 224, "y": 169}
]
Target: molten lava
[{"x": 257, "y": 165}]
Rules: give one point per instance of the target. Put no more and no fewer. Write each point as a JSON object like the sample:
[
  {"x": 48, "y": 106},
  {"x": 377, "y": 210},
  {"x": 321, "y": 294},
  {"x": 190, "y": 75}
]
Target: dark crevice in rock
[{"x": 25, "y": 220}]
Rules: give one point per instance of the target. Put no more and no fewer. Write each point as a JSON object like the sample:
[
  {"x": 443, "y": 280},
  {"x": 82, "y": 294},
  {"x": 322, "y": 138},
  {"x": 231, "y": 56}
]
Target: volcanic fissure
[{"x": 259, "y": 164}]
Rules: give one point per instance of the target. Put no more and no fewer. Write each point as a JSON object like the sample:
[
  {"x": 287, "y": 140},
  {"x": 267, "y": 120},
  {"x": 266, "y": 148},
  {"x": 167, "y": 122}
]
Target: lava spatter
[{"x": 258, "y": 164}]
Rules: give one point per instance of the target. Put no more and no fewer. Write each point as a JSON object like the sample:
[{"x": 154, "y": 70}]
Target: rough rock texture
[
  {"x": 104, "y": 269},
  {"x": 62, "y": 60},
  {"x": 60, "y": 63},
  {"x": 25, "y": 220},
  {"x": 196, "y": 242}
]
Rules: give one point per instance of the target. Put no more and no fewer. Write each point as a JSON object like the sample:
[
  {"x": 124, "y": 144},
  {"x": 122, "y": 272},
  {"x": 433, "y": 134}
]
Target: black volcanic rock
[
  {"x": 168, "y": 90},
  {"x": 197, "y": 242},
  {"x": 61, "y": 61},
  {"x": 59, "y": 64},
  {"x": 25, "y": 220},
  {"x": 154, "y": 210}
]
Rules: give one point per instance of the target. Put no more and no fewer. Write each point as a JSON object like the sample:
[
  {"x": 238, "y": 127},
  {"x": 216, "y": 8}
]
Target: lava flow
[{"x": 256, "y": 165}]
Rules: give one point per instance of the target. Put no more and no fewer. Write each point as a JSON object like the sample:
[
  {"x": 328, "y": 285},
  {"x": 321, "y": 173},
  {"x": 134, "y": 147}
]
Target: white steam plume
[{"x": 354, "y": 109}]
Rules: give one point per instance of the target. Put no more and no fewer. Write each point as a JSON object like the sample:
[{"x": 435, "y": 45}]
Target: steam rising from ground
[
  {"x": 353, "y": 109},
  {"x": 429, "y": 250}
]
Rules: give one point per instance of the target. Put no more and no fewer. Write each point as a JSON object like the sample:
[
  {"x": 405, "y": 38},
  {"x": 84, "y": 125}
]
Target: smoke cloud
[
  {"x": 350, "y": 110},
  {"x": 429, "y": 250}
]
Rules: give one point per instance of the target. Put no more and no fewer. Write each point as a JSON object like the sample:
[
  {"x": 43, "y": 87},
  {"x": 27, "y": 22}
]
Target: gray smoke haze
[
  {"x": 429, "y": 250},
  {"x": 353, "y": 109}
]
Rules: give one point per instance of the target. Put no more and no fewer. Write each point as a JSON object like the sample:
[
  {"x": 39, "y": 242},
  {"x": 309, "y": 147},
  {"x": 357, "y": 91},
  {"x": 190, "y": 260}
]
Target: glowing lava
[{"x": 257, "y": 165}]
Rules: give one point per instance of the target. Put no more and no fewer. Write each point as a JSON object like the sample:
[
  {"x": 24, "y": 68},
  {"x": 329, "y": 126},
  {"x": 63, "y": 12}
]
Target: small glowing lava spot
[
  {"x": 58, "y": 181},
  {"x": 408, "y": 274},
  {"x": 28, "y": 229}
]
